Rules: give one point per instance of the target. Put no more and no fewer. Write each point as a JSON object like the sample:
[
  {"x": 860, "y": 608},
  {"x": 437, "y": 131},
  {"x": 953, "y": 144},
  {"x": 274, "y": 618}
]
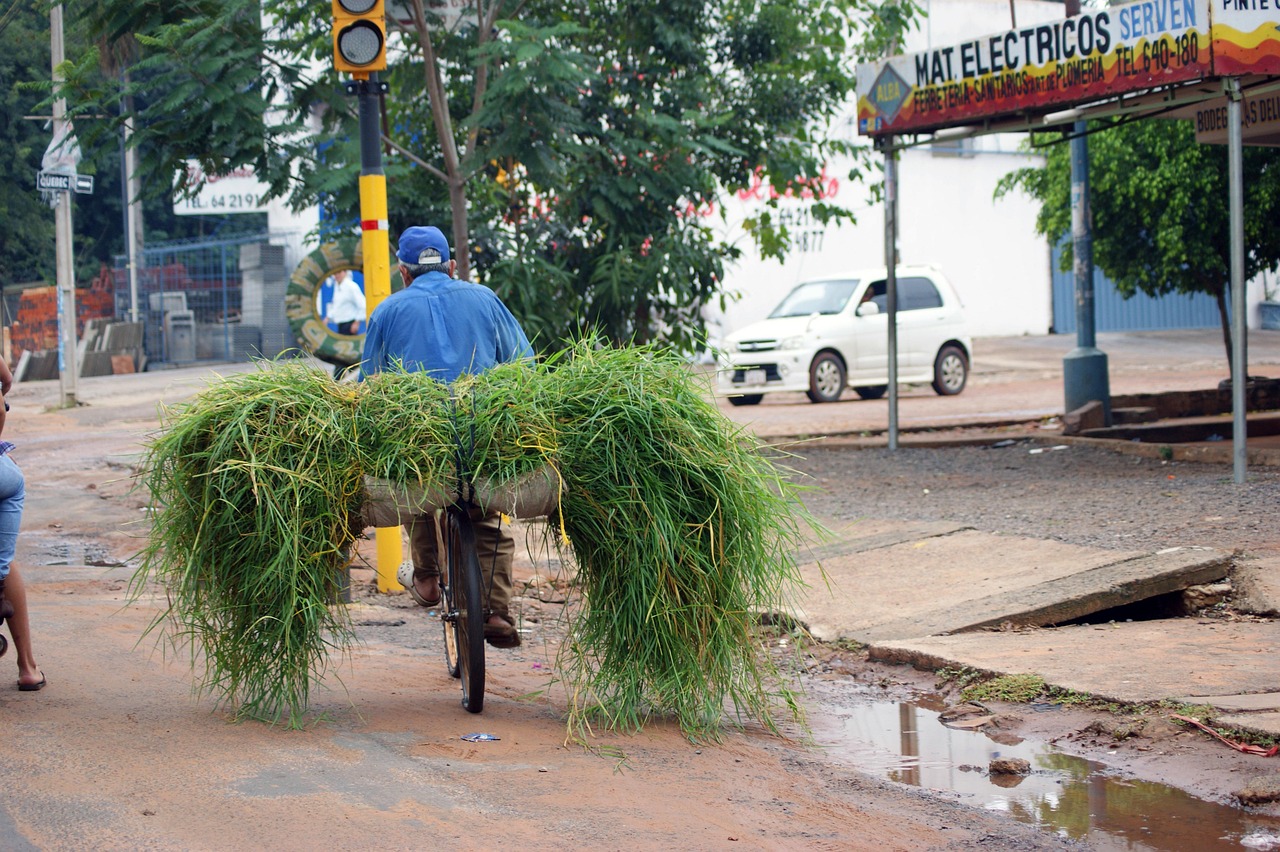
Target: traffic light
[{"x": 359, "y": 37}]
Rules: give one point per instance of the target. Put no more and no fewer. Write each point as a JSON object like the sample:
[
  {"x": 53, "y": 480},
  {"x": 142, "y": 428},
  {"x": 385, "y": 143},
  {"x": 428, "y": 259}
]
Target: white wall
[{"x": 948, "y": 218}]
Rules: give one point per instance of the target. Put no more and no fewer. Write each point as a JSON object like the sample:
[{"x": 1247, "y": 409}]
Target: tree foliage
[
  {"x": 574, "y": 151},
  {"x": 1159, "y": 200},
  {"x": 28, "y": 230},
  {"x": 99, "y": 54}
]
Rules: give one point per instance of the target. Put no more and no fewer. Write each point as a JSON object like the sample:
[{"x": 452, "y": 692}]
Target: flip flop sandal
[
  {"x": 501, "y": 635},
  {"x": 405, "y": 576},
  {"x": 33, "y": 687}
]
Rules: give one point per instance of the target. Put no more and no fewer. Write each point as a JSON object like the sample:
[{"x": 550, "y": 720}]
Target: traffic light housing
[{"x": 359, "y": 37}]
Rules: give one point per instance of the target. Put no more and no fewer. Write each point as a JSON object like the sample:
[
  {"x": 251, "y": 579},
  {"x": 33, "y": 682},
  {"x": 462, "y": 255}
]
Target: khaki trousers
[{"x": 494, "y": 546}]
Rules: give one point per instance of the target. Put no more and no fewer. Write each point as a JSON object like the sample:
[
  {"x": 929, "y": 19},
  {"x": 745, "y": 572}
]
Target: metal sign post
[{"x": 891, "y": 278}]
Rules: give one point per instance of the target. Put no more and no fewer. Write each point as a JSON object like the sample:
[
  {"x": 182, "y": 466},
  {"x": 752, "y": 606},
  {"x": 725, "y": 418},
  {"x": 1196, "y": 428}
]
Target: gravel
[{"x": 1081, "y": 495}]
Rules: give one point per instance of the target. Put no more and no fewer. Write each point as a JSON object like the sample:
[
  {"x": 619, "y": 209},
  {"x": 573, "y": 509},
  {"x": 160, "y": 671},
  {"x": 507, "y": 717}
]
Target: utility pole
[
  {"x": 376, "y": 249},
  {"x": 133, "y": 208},
  {"x": 68, "y": 368}
]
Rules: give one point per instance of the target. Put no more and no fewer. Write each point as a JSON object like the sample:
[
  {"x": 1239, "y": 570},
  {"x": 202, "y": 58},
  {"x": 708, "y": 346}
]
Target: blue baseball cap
[{"x": 422, "y": 245}]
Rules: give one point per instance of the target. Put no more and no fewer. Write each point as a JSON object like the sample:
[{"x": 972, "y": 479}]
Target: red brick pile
[{"x": 36, "y": 326}]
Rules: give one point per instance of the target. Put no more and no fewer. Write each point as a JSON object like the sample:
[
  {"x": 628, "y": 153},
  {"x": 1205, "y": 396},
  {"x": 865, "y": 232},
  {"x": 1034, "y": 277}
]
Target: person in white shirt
[{"x": 347, "y": 307}]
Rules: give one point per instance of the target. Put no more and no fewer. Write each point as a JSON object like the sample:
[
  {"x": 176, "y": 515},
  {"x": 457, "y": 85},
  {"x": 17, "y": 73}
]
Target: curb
[{"x": 935, "y": 437}]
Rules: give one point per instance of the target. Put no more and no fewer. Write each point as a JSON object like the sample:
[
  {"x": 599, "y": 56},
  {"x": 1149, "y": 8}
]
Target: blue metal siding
[{"x": 1112, "y": 312}]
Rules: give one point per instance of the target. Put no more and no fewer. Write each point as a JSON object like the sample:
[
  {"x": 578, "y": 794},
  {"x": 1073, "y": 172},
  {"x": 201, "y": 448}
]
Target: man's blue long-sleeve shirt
[{"x": 444, "y": 327}]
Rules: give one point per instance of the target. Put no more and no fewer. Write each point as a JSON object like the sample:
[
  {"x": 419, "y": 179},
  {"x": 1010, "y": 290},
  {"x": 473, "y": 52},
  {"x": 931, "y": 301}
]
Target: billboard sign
[
  {"x": 218, "y": 195},
  {"x": 1094, "y": 55},
  {"x": 1259, "y": 120},
  {"x": 1246, "y": 37}
]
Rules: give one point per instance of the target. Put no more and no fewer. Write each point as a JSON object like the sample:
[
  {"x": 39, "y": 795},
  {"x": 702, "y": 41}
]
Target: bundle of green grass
[{"x": 681, "y": 527}]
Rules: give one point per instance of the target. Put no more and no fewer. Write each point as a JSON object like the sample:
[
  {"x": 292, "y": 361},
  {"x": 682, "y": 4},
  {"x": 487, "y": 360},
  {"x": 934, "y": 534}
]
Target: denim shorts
[{"x": 13, "y": 493}]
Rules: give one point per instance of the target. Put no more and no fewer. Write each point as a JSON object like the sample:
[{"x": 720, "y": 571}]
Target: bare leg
[{"x": 20, "y": 628}]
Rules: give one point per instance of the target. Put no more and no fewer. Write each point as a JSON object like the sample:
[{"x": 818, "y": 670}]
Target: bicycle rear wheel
[{"x": 463, "y": 618}]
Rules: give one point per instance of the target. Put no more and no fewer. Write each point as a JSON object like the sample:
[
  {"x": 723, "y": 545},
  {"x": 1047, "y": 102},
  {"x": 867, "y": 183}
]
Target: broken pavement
[{"x": 939, "y": 595}]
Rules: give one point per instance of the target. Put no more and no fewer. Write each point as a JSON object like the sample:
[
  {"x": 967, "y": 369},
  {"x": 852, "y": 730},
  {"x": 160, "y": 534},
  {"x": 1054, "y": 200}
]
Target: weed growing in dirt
[
  {"x": 1194, "y": 711},
  {"x": 1020, "y": 689},
  {"x": 1071, "y": 698},
  {"x": 961, "y": 677}
]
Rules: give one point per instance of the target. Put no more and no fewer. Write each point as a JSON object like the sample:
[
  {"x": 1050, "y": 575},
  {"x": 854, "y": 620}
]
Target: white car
[{"x": 833, "y": 333}]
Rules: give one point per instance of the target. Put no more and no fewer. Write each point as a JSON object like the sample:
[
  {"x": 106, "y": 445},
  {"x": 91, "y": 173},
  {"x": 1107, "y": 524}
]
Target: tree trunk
[
  {"x": 461, "y": 230},
  {"x": 1220, "y": 296},
  {"x": 454, "y": 175},
  {"x": 642, "y": 331}
]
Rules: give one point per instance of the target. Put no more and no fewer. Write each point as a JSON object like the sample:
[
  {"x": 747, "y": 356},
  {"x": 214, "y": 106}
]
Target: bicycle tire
[{"x": 463, "y": 619}]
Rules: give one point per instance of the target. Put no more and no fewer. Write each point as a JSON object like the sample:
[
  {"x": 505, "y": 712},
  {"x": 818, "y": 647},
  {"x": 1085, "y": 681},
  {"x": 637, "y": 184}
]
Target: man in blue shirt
[{"x": 446, "y": 327}]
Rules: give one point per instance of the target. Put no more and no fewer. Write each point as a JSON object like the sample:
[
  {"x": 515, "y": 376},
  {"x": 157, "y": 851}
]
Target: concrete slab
[
  {"x": 1249, "y": 703},
  {"x": 875, "y": 534},
  {"x": 885, "y": 582},
  {"x": 1261, "y": 723},
  {"x": 1133, "y": 662},
  {"x": 1256, "y": 586}
]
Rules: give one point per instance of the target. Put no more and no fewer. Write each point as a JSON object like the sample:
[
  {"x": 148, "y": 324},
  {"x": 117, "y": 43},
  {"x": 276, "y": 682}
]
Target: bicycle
[
  {"x": 463, "y": 614},
  {"x": 464, "y": 596}
]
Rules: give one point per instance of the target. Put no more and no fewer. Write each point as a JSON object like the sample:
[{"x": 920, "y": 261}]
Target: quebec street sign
[{"x": 60, "y": 181}]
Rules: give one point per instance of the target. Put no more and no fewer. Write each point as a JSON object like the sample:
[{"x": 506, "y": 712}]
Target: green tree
[
  {"x": 573, "y": 149},
  {"x": 1160, "y": 209},
  {"x": 28, "y": 222}
]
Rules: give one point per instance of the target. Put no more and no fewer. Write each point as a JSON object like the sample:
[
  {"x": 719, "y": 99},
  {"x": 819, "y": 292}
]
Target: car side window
[
  {"x": 917, "y": 294},
  {"x": 878, "y": 292}
]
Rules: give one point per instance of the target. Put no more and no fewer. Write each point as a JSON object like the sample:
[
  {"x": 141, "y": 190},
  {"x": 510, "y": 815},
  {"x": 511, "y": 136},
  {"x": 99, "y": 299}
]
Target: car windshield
[{"x": 816, "y": 297}]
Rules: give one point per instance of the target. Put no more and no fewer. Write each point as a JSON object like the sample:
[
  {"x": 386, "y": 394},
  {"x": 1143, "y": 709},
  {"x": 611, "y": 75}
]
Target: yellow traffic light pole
[
  {"x": 377, "y": 284},
  {"x": 359, "y": 48}
]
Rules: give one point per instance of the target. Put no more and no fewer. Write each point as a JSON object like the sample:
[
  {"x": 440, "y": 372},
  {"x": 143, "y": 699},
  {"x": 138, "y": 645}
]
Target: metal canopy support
[
  {"x": 1084, "y": 369},
  {"x": 1240, "y": 329},
  {"x": 891, "y": 277}
]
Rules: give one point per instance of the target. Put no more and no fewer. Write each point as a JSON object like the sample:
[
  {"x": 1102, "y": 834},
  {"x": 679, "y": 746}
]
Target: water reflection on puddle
[{"x": 1067, "y": 795}]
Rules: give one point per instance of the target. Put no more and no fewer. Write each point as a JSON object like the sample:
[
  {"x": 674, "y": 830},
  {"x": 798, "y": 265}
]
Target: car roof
[{"x": 877, "y": 272}]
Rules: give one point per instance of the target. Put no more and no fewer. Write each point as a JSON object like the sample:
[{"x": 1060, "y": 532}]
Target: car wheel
[
  {"x": 950, "y": 371},
  {"x": 746, "y": 399},
  {"x": 826, "y": 378},
  {"x": 871, "y": 391}
]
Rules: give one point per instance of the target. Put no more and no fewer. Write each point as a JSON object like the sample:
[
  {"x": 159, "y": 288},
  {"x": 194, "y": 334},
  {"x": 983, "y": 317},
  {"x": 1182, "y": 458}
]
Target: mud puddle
[
  {"x": 1066, "y": 795},
  {"x": 58, "y": 551}
]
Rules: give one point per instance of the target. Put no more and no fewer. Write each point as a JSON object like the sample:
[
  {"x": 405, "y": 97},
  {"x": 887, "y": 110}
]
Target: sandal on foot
[
  {"x": 502, "y": 635},
  {"x": 34, "y": 687},
  {"x": 405, "y": 576}
]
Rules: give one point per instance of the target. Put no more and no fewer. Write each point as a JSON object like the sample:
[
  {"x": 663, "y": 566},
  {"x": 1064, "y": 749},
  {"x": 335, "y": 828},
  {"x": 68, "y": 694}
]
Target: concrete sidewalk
[{"x": 939, "y": 595}]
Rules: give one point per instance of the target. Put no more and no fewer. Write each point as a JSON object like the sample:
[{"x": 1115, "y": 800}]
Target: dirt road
[{"x": 117, "y": 753}]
